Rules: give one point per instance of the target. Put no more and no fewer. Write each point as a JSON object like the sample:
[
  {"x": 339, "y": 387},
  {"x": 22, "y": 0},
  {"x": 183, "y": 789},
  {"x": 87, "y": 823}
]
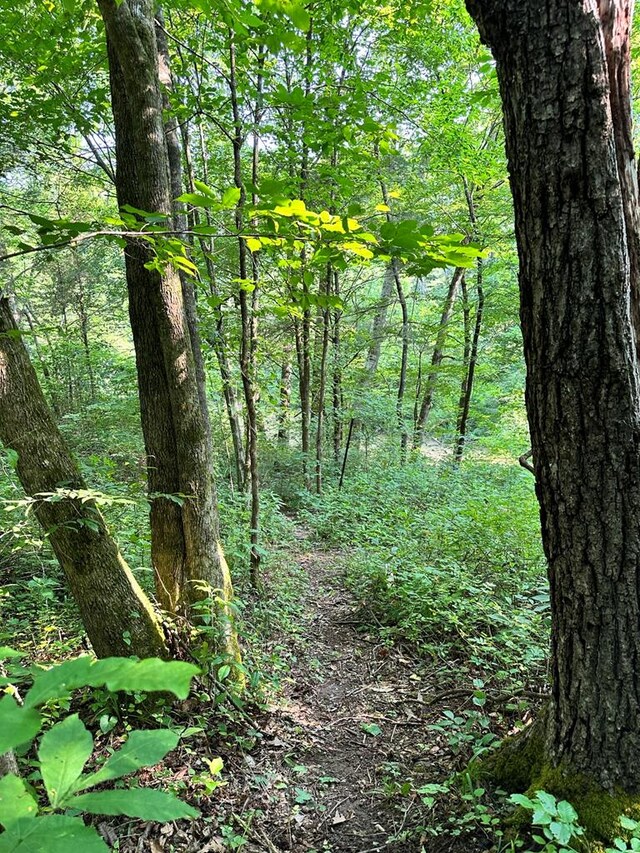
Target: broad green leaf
[
  {"x": 199, "y": 200},
  {"x": 371, "y": 729},
  {"x": 142, "y": 749},
  {"x": 51, "y": 834},
  {"x": 548, "y": 801},
  {"x": 358, "y": 249},
  {"x": 5, "y": 651},
  {"x": 298, "y": 16},
  {"x": 231, "y": 197},
  {"x": 521, "y": 800},
  {"x": 15, "y": 800},
  {"x": 115, "y": 674},
  {"x": 145, "y": 803},
  {"x": 252, "y": 244},
  {"x": 63, "y": 752},
  {"x": 566, "y": 812},
  {"x": 17, "y": 724},
  {"x": 58, "y": 681},
  {"x": 562, "y": 832}
]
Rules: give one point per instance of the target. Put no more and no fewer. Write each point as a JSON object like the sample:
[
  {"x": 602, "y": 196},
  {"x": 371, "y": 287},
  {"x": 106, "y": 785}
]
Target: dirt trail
[{"x": 350, "y": 723}]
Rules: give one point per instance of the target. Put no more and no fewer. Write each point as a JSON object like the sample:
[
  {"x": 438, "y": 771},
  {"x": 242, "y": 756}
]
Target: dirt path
[{"x": 346, "y": 731}]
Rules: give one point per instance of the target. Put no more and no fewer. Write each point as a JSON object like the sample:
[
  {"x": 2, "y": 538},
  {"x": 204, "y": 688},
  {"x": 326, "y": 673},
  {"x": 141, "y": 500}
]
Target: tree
[
  {"x": 115, "y": 612},
  {"x": 563, "y": 71},
  {"x": 186, "y": 552}
]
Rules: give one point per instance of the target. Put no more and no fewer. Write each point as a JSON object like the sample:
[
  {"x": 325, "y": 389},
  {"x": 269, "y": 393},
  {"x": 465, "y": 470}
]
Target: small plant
[
  {"x": 64, "y": 749},
  {"x": 557, "y": 820},
  {"x": 630, "y": 844}
]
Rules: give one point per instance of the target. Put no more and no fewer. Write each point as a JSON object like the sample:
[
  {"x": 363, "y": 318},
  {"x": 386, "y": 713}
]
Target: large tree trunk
[
  {"x": 577, "y": 271},
  {"x": 186, "y": 553},
  {"x": 116, "y": 614}
]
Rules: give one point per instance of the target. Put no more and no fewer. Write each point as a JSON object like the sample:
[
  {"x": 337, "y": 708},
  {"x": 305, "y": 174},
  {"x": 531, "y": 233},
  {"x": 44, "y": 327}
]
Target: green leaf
[
  {"x": 298, "y": 16},
  {"x": 199, "y": 200},
  {"x": 548, "y": 801},
  {"x": 142, "y": 749},
  {"x": 223, "y": 672},
  {"x": 561, "y": 832},
  {"x": 303, "y": 796},
  {"x": 63, "y": 752},
  {"x": 230, "y": 197},
  {"x": 15, "y": 800},
  {"x": 521, "y": 800},
  {"x": 144, "y": 803},
  {"x": 115, "y": 674},
  {"x": 566, "y": 812},
  {"x": 51, "y": 834},
  {"x": 371, "y": 729},
  {"x": 17, "y": 724},
  {"x": 5, "y": 651}
]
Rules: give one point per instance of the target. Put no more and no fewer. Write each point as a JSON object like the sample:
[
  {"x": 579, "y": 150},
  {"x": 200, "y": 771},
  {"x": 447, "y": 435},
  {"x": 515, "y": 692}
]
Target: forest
[{"x": 319, "y": 427}]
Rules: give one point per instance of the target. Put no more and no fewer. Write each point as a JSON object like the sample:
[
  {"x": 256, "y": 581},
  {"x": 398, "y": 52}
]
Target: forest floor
[{"x": 341, "y": 750}]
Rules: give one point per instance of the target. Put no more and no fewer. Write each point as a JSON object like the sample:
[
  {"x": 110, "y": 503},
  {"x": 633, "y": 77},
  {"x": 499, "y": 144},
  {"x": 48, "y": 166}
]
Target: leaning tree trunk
[
  {"x": 436, "y": 359},
  {"x": 115, "y": 612},
  {"x": 186, "y": 552},
  {"x": 583, "y": 400}
]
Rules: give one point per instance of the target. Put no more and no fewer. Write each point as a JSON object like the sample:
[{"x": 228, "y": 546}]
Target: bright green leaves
[
  {"x": 17, "y": 724},
  {"x": 144, "y": 803},
  {"x": 112, "y": 673},
  {"x": 51, "y": 834},
  {"x": 63, "y": 752},
  {"x": 416, "y": 245},
  {"x": 15, "y": 801},
  {"x": 209, "y": 199},
  {"x": 142, "y": 749},
  {"x": 67, "y": 746}
]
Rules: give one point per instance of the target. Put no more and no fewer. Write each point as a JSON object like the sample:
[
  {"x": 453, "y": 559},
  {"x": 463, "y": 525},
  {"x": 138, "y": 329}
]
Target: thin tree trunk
[
  {"x": 404, "y": 360},
  {"x": 174, "y": 155},
  {"x": 284, "y": 412},
  {"x": 337, "y": 374},
  {"x": 84, "y": 325},
  {"x": 217, "y": 340},
  {"x": 321, "y": 386},
  {"x": 380, "y": 320},
  {"x": 467, "y": 382},
  {"x": 116, "y": 614},
  {"x": 436, "y": 359},
  {"x": 248, "y": 338}
]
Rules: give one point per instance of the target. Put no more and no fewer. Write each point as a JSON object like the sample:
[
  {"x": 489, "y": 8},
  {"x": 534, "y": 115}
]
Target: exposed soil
[{"x": 349, "y": 728}]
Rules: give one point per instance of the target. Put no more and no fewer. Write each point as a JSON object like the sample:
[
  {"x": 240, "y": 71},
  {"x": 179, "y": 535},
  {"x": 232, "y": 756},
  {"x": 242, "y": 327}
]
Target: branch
[{"x": 525, "y": 464}]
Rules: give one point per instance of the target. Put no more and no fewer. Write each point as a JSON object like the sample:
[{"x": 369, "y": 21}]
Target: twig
[{"x": 525, "y": 464}]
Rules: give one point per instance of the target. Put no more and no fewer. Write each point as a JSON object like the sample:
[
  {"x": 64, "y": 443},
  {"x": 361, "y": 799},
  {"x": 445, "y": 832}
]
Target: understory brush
[{"x": 446, "y": 558}]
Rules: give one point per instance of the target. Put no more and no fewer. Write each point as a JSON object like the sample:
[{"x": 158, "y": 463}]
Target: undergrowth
[{"x": 446, "y": 558}]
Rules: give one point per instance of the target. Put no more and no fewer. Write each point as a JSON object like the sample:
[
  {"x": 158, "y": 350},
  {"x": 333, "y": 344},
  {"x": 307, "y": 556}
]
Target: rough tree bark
[
  {"x": 115, "y": 612},
  {"x": 186, "y": 553},
  {"x": 562, "y": 68}
]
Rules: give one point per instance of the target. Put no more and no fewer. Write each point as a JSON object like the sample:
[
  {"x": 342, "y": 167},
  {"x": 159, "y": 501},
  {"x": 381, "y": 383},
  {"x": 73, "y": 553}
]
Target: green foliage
[
  {"x": 65, "y": 748},
  {"x": 448, "y": 558},
  {"x": 557, "y": 821}
]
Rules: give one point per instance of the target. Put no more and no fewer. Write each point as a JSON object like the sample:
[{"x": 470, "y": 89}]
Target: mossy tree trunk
[
  {"x": 115, "y": 612},
  {"x": 572, "y": 177}
]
